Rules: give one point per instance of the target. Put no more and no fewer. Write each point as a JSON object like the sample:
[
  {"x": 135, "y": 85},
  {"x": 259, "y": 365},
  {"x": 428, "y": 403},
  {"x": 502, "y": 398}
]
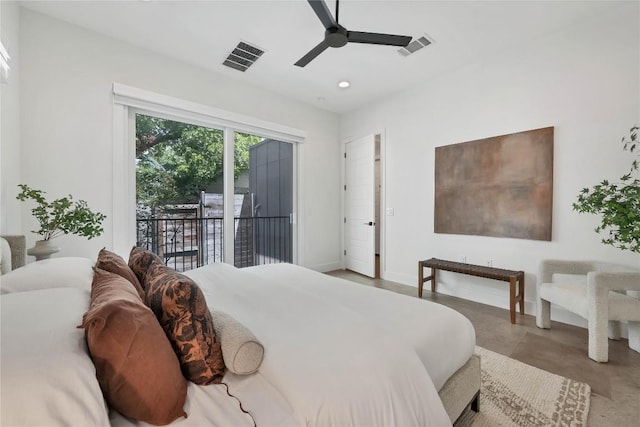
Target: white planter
[{"x": 43, "y": 249}]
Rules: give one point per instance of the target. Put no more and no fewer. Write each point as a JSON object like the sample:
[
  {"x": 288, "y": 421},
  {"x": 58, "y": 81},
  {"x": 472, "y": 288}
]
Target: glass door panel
[
  {"x": 181, "y": 194},
  {"x": 179, "y": 187},
  {"x": 263, "y": 196}
]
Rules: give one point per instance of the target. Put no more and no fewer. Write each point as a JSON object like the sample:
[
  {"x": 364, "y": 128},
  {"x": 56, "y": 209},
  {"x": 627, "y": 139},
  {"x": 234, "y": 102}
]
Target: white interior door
[{"x": 359, "y": 205}]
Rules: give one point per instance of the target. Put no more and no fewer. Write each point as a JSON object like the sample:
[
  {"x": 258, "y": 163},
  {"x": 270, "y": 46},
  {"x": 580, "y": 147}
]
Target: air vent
[
  {"x": 243, "y": 56},
  {"x": 415, "y": 45}
]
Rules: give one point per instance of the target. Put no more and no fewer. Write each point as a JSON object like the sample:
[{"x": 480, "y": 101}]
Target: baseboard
[
  {"x": 405, "y": 279},
  {"x": 323, "y": 268}
]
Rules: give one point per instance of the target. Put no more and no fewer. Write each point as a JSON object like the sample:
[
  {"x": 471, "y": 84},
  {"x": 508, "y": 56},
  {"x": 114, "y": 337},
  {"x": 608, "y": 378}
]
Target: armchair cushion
[
  {"x": 571, "y": 296},
  {"x": 569, "y": 278}
]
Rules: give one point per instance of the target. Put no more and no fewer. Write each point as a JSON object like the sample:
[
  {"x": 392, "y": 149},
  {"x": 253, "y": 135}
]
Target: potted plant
[
  {"x": 60, "y": 216},
  {"x": 618, "y": 203}
]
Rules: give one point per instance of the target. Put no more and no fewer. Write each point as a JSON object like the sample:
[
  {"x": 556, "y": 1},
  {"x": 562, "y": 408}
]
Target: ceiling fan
[{"x": 337, "y": 36}]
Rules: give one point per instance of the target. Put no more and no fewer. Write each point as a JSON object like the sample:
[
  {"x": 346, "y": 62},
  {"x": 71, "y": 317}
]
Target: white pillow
[
  {"x": 48, "y": 378},
  {"x": 66, "y": 272},
  {"x": 241, "y": 350}
]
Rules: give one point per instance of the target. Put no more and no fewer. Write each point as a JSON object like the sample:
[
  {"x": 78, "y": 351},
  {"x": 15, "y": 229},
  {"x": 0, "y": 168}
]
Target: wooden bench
[{"x": 510, "y": 276}]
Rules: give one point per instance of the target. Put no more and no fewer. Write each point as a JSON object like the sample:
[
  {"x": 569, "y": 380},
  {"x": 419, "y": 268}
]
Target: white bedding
[
  {"x": 336, "y": 353},
  {"x": 211, "y": 406},
  {"x": 442, "y": 338},
  {"x": 332, "y": 364},
  {"x": 48, "y": 378}
]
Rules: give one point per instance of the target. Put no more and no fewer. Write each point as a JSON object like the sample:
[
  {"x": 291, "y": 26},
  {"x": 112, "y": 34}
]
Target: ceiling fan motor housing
[{"x": 336, "y": 36}]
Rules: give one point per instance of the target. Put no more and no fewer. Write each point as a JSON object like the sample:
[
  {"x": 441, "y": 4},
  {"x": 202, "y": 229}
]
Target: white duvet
[
  {"x": 442, "y": 338},
  {"x": 336, "y": 353},
  {"x": 330, "y": 361}
]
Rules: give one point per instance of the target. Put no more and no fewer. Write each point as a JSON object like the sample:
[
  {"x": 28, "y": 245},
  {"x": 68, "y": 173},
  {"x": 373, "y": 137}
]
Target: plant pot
[{"x": 43, "y": 250}]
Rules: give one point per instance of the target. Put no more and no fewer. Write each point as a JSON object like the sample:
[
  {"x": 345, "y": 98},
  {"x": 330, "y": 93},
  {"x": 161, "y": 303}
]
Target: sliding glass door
[{"x": 181, "y": 193}]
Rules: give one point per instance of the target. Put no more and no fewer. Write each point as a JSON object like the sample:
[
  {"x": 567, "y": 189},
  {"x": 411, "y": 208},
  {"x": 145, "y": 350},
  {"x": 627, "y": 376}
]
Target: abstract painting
[{"x": 500, "y": 186}]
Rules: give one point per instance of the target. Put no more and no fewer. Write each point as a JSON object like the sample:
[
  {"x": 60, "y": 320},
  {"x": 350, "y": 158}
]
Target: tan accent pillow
[
  {"x": 140, "y": 260},
  {"x": 114, "y": 263},
  {"x": 138, "y": 372},
  {"x": 241, "y": 350},
  {"x": 180, "y": 306}
]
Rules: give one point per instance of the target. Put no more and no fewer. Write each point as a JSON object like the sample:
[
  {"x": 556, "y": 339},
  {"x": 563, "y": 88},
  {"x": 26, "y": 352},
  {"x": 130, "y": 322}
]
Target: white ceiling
[{"x": 204, "y": 32}]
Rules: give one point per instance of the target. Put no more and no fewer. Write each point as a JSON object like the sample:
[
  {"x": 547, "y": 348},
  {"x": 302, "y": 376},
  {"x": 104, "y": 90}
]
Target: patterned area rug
[{"x": 515, "y": 394}]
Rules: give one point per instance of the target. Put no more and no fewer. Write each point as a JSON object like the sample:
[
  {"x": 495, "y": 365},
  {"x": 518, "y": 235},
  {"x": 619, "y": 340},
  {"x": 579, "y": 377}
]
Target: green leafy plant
[
  {"x": 618, "y": 203},
  {"x": 62, "y": 216}
]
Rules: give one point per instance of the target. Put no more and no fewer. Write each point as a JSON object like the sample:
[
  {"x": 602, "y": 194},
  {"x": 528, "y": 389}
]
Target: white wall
[
  {"x": 10, "y": 214},
  {"x": 66, "y": 110},
  {"x": 584, "y": 80}
]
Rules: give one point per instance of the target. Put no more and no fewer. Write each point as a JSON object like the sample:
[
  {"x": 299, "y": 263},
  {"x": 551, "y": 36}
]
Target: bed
[{"x": 335, "y": 353}]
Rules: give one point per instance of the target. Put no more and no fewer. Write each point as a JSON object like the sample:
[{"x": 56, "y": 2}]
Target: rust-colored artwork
[{"x": 500, "y": 186}]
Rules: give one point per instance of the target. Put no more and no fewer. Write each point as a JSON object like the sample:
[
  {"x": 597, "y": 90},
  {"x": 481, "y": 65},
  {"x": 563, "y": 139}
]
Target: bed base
[{"x": 462, "y": 389}]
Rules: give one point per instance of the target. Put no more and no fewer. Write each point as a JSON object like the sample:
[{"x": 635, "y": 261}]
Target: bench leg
[
  {"x": 512, "y": 299},
  {"x": 433, "y": 279},
  {"x": 475, "y": 403},
  {"x": 420, "y": 279},
  {"x": 521, "y": 293}
]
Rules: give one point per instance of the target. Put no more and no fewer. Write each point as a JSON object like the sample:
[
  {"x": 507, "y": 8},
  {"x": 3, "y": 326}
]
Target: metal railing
[{"x": 187, "y": 243}]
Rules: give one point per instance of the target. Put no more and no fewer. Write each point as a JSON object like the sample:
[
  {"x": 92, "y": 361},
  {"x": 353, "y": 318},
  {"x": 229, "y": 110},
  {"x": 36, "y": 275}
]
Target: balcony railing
[{"x": 187, "y": 243}]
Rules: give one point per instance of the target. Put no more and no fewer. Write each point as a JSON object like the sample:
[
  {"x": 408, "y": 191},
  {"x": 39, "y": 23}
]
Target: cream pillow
[
  {"x": 66, "y": 272},
  {"x": 241, "y": 350}
]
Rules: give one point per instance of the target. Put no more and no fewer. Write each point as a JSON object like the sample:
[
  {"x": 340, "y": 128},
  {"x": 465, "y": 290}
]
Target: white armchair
[
  {"x": 602, "y": 293},
  {"x": 12, "y": 252}
]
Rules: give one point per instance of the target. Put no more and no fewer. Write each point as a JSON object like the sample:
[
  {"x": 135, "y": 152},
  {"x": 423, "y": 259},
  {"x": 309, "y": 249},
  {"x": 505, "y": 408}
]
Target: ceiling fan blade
[
  {"x": 321, "y": 9},
  {"x": 377, "y": 38},
  {"x": 321, "y": 47}
]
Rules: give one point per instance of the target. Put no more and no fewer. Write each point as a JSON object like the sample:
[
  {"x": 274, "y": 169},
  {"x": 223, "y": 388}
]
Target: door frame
[
  {"x": 129, "y": 100},
  {"x": 383, "y": 197}
]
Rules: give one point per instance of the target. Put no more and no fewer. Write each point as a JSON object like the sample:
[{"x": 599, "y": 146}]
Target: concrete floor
[{"x": 615, "y": 386}]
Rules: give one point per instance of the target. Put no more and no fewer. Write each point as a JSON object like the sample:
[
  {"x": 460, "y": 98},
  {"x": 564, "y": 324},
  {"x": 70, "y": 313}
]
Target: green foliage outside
[
  {"x": 618, "y": 203},
  {"x": 62, "y": 216},
  {"x": 176, "y": 161}
]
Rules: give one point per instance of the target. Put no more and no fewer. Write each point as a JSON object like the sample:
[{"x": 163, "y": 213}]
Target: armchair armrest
[
  {"x": 603, "y": 282},
  {"x": 600, "y": 313},
  {"x": 549, "y": 267}
]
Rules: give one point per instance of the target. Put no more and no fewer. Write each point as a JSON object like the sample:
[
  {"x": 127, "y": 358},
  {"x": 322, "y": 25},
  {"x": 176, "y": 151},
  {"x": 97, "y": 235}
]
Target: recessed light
[{"x": 344, "y": 84}]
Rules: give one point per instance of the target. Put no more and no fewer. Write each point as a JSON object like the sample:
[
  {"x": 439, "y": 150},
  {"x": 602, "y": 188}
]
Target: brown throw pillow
[
  {"x": 137, "y": 369},
  {"x": 140, "y": 260},
  {"x": 114, "y": 263},
  {"x": 182, "y": 311}
]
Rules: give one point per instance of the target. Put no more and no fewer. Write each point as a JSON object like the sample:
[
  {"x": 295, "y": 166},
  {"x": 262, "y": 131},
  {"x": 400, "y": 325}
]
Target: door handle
[{"x": 370, "y": 223}]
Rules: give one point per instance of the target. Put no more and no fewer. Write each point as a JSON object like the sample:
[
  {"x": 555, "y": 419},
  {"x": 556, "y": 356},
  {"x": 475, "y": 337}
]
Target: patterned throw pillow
[
  {"x": 114, "y": 263},
  {"x": 137, "y": 369},
  {"x": 180, "y": 306},
  {"x": 140, "y": 260}
]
